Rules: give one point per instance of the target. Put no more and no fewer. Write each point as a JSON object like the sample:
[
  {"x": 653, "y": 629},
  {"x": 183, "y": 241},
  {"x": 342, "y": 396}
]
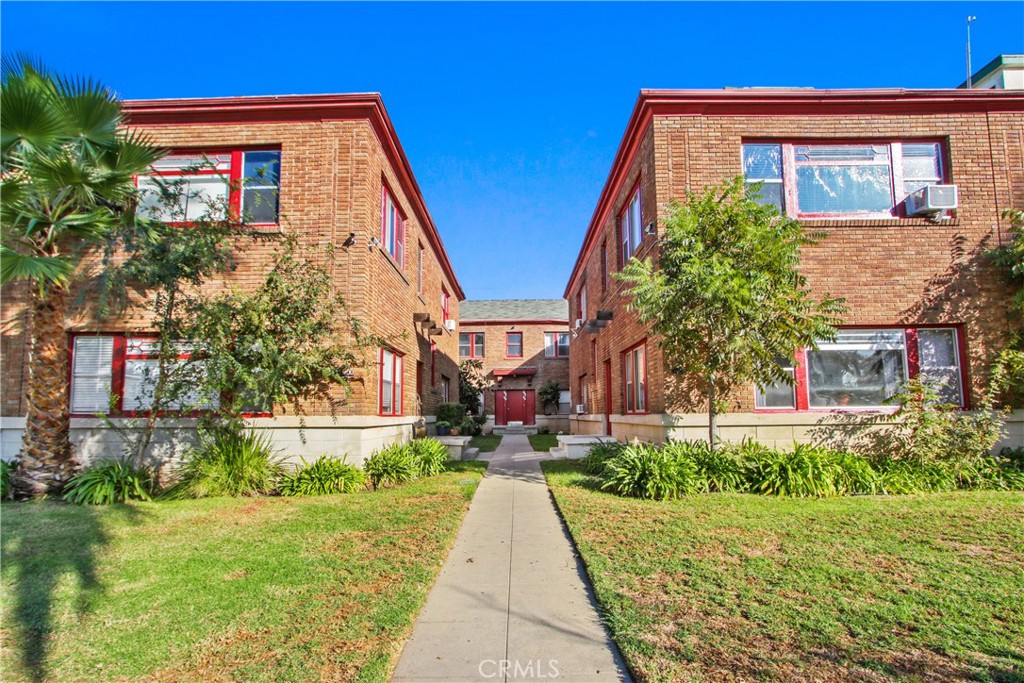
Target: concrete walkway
[{"x": 512, "y": 602}]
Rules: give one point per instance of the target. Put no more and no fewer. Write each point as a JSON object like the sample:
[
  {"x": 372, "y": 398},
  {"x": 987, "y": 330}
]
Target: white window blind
[{"x": 91, "y": 374}]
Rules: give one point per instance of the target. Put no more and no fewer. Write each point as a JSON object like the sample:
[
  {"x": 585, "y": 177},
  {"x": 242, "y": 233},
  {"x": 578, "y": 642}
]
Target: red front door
[{"x": 515, "y": 405}]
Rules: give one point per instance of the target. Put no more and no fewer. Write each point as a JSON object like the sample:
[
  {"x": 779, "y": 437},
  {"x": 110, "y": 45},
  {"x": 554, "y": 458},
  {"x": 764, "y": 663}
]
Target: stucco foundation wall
[
  {"x": 777, "y": 430},
  {"x": 353, "y": 438}
]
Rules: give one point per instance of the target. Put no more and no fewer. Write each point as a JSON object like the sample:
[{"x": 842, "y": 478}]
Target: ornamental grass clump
[
  {"x": 645, "y": 471},
  {"x": 430, "y": 455},
  {"x": 599, "y": 454},
  {"x": 229, "y": 463},
  {"x": 393, "y": 465},
  {"x": 720, "y": 469},
  {"x": 325, "y": 476},
  {"x": 805, "y": 472},
  {"x": 109, "y": 481}
]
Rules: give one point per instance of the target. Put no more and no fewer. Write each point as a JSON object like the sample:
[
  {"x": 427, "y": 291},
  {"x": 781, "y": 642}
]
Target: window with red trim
[
  {"x": 392, "y": 228},
  {"x": 445, "y": 303},
  {"x": 581, "y": 301},
  {"x": 471, "y": 344},
  {"x": 211, "y": 185},
  {"x": 630, "y": 232},
  {"x": 419, "y": 269},
  {"x": 127, "y": 369},
  {"x": 604, "y": 266},
  {"x": 823, "y": 179},
  {"x": 863, "y": 368},
  {"x": 634, "y": 368},
  {"x": 556, "y": 344},
  {"x": 513, "y": 344},
  {"x": 445, "y": 389},
  {"x": 391, "y": 363},
  {"x": 582, "y": 390}
]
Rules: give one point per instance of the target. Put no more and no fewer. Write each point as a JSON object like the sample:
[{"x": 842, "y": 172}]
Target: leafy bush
[
  {"x": 904, "y": 476},
  {"x": 595, "y": 459},
  {"x": 646, "y": 471},
  {"x": 6, "y": 472},
  {"x": 325, "y": 476},
  {"x": 469, "y": 427},
  {"x": 854, "y": 474},
  {"x": 229, "y": 463},
  {"x": 395, "y": 464},
  {"x": 109, "y": 481},
  {"x": 806, "y": 471},
  {"x": 452, "y": 413},
  {"x": 431, "y": 456},
  {"x": 721, "y": 469}
]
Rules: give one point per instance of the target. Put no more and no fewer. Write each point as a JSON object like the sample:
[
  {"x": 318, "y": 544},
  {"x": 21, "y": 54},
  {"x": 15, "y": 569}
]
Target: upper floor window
[
  {"x": 630, "y": 232},
  {"x": 556, "y": 344},
  {"x": 471, "y": 344},
  {"x": 213, "y": 185},
  {"x": 390, "y": 382},
  {"x": 841, "y": 180},
  {"x": 445, "y": 304},
  {"x": 604, "y": 266},
  {"x": 513, "y": 344},
  {"x": 581, "y": 301},
  {"x": 419, "y": 269},
  {"x": 392, "y": 228}
]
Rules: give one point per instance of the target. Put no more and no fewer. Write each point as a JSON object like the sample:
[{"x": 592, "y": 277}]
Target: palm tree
[{"x": 66, "y": 168}]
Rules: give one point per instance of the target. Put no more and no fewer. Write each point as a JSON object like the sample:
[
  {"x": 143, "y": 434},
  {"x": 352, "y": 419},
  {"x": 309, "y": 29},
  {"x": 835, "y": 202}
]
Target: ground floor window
[
  {"x": 445, "y": 391},
  {"x": 115, "y": 374},
  {"x": 634, "y": 362},
  {"x": 390, "y": 382},
  {"x": 864, "y": 368}
]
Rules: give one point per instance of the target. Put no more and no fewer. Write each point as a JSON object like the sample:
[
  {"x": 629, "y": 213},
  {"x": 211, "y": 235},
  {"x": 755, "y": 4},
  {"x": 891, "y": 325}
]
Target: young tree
[
  {"x": 726, "y": 300},
  {"x": 1008, "y": 370},
  {"x": 472, "y": 383},
  {"x": 67, "y": 168}
]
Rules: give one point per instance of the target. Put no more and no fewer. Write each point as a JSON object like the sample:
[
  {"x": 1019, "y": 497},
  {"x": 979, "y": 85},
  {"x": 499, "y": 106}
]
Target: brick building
[
  {"x": 922, "y": 296},
  {"x": 333, "y": 167},
  {"x": 523, "y": 344}
]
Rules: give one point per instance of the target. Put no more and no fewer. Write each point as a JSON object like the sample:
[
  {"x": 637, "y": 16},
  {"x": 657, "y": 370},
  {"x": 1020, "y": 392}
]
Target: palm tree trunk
[{"x": 45, "y": 461}]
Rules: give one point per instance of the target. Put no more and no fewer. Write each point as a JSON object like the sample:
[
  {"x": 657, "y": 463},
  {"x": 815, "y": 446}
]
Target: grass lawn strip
[
  {"x": 266, "y": 589},
  {"x": 542, "y": 443},
  {"x": 730, "y": 587},
  {"x": 487, "y": 443}
]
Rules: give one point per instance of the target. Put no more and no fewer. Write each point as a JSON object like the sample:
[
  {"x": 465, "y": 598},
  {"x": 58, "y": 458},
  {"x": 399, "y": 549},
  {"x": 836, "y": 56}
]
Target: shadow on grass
[
  {"x": 571, "y": 473},
  {"x": 41, "y": 543}
]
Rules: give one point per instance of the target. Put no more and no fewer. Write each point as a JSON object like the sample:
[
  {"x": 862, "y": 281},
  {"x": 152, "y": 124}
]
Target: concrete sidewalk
[{"x": 512, "y": 602}]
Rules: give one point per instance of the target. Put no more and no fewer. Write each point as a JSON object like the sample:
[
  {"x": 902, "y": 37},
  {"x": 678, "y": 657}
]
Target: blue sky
[{"x": 510, "y": 113}]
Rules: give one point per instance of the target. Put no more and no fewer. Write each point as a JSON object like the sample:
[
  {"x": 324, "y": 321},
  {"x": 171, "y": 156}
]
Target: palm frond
[
  {"x": 28, "y": 119},
  {"x": 90, "y": 109},
  {"x": 43, "y": 270}
]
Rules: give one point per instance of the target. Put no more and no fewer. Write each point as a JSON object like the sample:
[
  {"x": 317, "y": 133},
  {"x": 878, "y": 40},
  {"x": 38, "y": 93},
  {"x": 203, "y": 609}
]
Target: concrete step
[
  {"x": 470, "y": 453},
  {"x": 559, "y": 453}
]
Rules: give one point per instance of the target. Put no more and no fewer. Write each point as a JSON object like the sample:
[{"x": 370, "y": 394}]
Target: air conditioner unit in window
[
  {"x": 450, "y": 324},
  {"x": 581, "y": 408},
  {"x": 931, "y": 199}
]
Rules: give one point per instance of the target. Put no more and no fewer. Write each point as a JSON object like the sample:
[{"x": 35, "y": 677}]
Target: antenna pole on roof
[{"x": 969, "y": 73}]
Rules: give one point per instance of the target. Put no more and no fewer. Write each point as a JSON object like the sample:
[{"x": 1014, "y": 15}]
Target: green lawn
[
  {"x": 487, "y": 443},
  {"x": 542, "y": 443},
  {"x": 737, "y": 587},
  {"x": 265, "y": 589}
]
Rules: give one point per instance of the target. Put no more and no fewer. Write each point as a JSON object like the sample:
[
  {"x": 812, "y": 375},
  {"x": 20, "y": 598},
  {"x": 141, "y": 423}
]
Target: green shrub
[
  {"x": 325, "y": 476},
  {"x": 595, "y": 459},
  {"x": 469, "y": 427},
  {"x": 431, "y": 456},
  {"x": 721, "y": 469},
  {"x": 646, "y": 471},
  {"x": 452, "y": 413},
  {"x": 393, "y": 465},
  {"x": 904, "y": 476},
  {"x": 854, "y": 474},
  {"x": 806, "y": 471},
  {"x": 6, "y": 472},
  {"x": 109, "y": 481},
  {"x": 229, "y": 463}
]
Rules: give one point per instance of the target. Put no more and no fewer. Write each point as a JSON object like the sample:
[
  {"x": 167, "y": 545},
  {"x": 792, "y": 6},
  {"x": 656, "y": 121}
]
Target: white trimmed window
[
  {"x": 91, "y": 374},
  {"x": 392, "y": 229},
  {"x": 634, "y": 364},
  {"x": 630, "y": 231}
]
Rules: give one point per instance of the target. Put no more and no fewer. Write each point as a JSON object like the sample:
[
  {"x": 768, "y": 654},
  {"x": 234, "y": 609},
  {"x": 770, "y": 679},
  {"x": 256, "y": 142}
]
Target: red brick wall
[
  {"x": 891, "y": 272},
  {"x": 331, "y": 175},
  {"x": 548, "y": 369}
]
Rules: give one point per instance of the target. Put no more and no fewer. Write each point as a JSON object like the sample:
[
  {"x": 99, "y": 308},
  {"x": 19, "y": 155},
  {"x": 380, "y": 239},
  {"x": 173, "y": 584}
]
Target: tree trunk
[
  {"x": 45, "y": 461},
  {"x": 712, "y": 413}
]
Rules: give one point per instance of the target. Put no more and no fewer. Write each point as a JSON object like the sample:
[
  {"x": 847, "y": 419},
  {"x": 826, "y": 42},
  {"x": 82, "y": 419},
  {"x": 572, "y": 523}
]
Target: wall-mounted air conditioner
[
  {"x": 931, "y": 199},
  {"x": 580, "y": 322},
  {"x": 450, "y": 324},
  {"x": 581, "y": 408}
]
